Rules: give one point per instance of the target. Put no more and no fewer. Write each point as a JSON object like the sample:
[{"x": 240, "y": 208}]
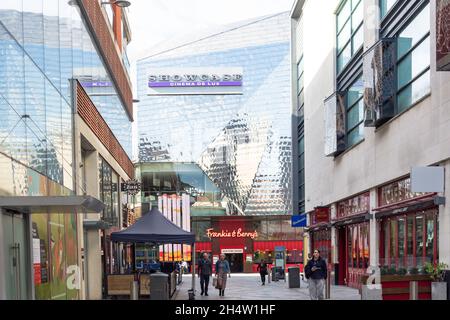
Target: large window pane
[
  {"x": 385, "y": 6},
  {"x": 358, "y": 15},
  {"x": 344, "y": 57},
  {"x": 414, "y": 92},
  {"x": 393, "y": 244},
  {"x": 414, "y": 63},
  {"x": 414, "y": 32},
  {"x": 358, "y": 39},
  {"x": 419, "y": 240},
  {"x": 344, "y": 14},
  {"x": 430, "y": 237},
  {"x": 355, "y": 115},
  {"x": 344, "y": 36},
  {"x": 410, "y": 242},
  {"x": 401, "y": 241}
]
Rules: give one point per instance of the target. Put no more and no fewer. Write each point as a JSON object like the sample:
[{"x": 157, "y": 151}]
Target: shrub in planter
[
  {"x": 402, "y": 271},
  {"x": 384, "y": 270},
  {"x": 436, "y": 271},
  {"x": 438, "y": 286},
  {"x": 392, "y": 270},
  {"x": 413, "y": 270}
]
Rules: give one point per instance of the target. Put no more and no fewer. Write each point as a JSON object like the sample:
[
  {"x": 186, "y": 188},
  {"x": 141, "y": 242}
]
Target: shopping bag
[
  {"x": 215, "y": 282},
  {"x": 219, "y": 283}
]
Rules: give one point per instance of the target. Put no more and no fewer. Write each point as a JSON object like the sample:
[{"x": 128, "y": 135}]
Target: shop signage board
[
  {"x": 298, "y": 221},
  {"x": 195, "y": 81},
  {"x": 131, "y": 187},
  {"x": 230, "y": 251},
  {"x": 237, "y": 233},
  {"x": 320, "y": 215},
  {"x": 354, "y": 206},
  {"x": 397, "y": 191},
  {"x": 427, "y": 179}
]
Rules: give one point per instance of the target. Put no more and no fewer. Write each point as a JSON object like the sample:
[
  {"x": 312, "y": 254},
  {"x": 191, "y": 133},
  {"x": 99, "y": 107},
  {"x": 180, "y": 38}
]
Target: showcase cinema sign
[
  {"x": 195, "y": 81},
  {"x": 237, "y": 233}
]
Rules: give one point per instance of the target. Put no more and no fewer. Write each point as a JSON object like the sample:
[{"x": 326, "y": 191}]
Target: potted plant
[{"x": 438, "y": 286}]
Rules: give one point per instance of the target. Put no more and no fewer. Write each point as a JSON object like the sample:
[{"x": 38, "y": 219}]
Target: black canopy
[{"x": 153, "y": 227}]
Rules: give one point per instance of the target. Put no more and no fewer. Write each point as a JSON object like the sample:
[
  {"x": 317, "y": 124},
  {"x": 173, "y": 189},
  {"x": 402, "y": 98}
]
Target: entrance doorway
[
  {"x": 15, "y": 250},
  {"x": 236, "y": 261}
]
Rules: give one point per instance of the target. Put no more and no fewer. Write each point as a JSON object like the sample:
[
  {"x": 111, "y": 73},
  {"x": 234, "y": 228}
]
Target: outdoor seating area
[{"x": 153, "y": 228}]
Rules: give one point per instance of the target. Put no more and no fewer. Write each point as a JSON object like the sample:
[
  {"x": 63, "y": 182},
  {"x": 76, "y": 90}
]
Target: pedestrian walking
[
  {"x": 262, "y": 268},
  {"x": 204, "y": 273},
  {"x": 222, "y": 270},
  {"x": 316, "y": 273}
]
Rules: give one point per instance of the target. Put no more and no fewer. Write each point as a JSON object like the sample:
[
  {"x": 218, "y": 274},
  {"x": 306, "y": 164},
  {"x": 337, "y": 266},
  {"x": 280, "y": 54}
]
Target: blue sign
[{"x": 299, "y": 221}]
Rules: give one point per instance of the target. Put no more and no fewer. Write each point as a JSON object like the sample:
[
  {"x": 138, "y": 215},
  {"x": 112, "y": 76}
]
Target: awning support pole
[{"x": 193, "y": 269}]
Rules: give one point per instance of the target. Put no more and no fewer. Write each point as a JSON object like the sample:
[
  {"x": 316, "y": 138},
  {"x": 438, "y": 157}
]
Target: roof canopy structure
[{"x": 153, "y": 227}]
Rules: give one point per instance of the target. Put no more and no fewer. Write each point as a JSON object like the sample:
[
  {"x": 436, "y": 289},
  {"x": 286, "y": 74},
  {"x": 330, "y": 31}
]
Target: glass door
[{"x": 16, "y": 262}]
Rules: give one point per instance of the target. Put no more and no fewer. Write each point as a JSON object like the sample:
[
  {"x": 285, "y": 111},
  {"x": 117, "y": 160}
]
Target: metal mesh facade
[{"x": 242, "y": 142}]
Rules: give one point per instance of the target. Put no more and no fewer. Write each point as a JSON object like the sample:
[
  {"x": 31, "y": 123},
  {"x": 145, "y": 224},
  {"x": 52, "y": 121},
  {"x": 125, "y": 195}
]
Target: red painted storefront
[{"x": 238, "y": 237}]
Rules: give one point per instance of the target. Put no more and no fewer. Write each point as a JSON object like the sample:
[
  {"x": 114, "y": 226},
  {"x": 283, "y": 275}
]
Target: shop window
[
  {"x": 393, "y": 242},
  {"x": 349, "y": 247},
  {"x": 401, "y": 241},
  {"x": 430, "y": 232},
  {"x": 419, "y": 240},
  {"x": 350, "y": 35},
  {"x": 386, "y": 243},
  {"x": 410, "y": 243},
  {"x": 355, "y": 247}
]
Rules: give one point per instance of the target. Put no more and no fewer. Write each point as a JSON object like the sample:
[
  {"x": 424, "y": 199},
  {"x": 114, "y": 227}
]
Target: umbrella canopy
[{"x": 153, "y": 227}]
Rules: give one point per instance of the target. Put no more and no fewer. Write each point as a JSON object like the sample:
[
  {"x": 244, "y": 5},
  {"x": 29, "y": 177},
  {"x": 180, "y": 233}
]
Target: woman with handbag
[
  {"x": 222, "y": 269},
  {"x": 262, "y": 268}
]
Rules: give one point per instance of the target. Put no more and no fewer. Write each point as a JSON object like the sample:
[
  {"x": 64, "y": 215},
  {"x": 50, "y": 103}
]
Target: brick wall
[
  {"x": 89, "y": 113},
  {"x": 99, "y": 26}
]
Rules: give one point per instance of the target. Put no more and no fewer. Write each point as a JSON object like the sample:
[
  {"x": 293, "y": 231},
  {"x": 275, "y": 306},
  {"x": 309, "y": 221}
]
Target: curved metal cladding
[{"x": 241, "y": 141}]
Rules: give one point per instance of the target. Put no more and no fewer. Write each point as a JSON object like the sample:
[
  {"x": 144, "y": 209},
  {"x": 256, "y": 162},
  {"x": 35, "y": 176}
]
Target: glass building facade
[
  {"x": 241, "y": 142},
  {"x": 43, "y": 44}
]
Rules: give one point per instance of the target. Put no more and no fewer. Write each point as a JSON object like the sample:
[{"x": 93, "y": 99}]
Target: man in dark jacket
[
  {"x": 316, "y": 273},
  {"x": 204, "y": 272}
]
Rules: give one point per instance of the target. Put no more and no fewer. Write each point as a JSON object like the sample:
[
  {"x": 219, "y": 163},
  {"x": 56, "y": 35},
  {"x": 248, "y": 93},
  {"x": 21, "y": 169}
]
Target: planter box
[
  {"x": 396, "y": 287},
  {"x": 439, "y": 291}
]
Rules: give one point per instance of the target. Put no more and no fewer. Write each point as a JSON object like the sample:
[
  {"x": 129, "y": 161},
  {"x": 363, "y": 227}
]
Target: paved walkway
[{"x": 248, "y": 287}]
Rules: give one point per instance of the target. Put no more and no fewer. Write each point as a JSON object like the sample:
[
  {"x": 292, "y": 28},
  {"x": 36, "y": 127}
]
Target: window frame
[
  {"x": 348, "y": 109},
  {"x": 350, "y": 40}
]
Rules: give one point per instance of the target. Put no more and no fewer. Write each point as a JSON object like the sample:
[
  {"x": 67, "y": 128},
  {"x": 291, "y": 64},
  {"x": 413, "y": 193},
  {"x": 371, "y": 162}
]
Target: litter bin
[
  {"x": 274, "y": 274},
  {"x": 294, "y": 277},
  {"x": 159, "y": 286}
]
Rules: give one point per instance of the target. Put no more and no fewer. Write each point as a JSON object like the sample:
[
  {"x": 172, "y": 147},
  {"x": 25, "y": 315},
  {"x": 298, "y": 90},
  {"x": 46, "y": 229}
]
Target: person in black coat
[
  {"x": 316, "y": 273},
  {"x": 204, "y": 273},
  {"x": 262, "y": 268}
]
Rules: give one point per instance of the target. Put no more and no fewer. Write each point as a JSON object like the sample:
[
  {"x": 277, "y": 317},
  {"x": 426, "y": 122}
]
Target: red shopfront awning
[
  {"x": 270, "y": 245},
  {"x": 410, "y": 205}
]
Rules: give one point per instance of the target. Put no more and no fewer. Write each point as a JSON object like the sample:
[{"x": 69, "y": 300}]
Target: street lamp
[{"x": 119, "y": 3}]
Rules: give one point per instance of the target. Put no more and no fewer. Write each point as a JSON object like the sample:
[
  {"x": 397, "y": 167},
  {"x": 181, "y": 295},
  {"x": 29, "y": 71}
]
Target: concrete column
[
  {"x": 94, "y": 265},
  {"x": 92, "y": 250},
  {"x": 444, "y": 221}
]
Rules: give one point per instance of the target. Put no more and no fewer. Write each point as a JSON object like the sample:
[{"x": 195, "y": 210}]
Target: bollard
[
  {"x": 414, "y": 290},
  {"x": 134, "y": 290},
  {"x": 328, "y": 286}
]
